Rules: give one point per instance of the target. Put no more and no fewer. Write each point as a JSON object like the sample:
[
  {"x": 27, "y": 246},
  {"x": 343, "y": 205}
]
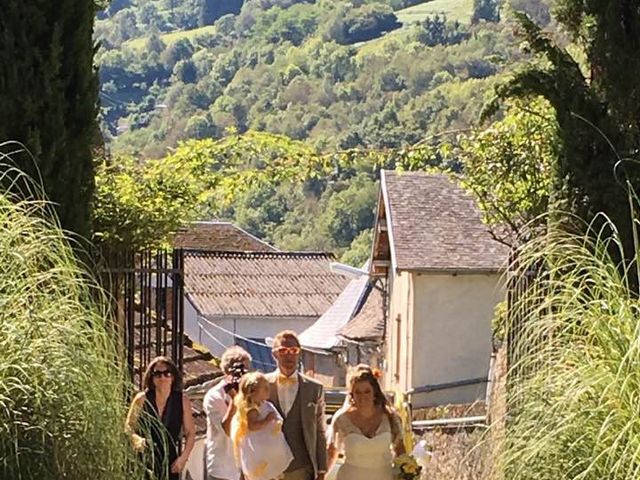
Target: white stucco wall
[
  {"x": 398, "y": 325},
  {"x": 452, "y": 333},
  {"x": 216, "y": 340}
]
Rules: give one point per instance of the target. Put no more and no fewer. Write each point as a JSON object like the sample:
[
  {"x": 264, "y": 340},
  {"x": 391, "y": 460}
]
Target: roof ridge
[
  {"x": 250, "y": 253},
  {"x": 417, "y": 173}
]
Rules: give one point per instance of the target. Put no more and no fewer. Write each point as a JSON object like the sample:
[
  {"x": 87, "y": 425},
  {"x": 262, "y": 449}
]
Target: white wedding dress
[{"x": 364, "y": 458}]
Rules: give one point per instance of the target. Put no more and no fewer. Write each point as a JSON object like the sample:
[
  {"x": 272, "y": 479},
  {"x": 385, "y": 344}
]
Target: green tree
[
  {"x": 359, "y": 250},
  {"x": 116, "y": 5},
  {"x": 508, "y": 167},
  {"x": 437, "y": 30},
  {"x": 488, "y": 10},
  {"x": 598, "y": 119},
  {"x": 333, "y": 221},
  {"x": 48, "y": 99},
  {"x": 186, "y": 71},
  {"x": 140, "y": 205}
]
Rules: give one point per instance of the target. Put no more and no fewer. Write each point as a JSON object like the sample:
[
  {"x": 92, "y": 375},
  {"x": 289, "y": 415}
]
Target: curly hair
[{"x": 233, "y": 355}]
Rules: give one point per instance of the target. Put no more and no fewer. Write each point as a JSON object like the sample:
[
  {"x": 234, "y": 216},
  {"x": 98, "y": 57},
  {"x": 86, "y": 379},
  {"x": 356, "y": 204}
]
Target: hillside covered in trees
[{"x": 336, "y": 75}]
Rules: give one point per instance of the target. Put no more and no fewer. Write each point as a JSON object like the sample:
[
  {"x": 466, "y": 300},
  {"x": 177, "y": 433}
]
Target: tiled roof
[
  {"x": 198, "y": 367},
  {"x": 323, "y": 333},
  {"x": 261, "y": 284},
  {"x": 219, "y": 236},
  {"x": 368, "y": 324},
  {"x": 436, "y": 225}
]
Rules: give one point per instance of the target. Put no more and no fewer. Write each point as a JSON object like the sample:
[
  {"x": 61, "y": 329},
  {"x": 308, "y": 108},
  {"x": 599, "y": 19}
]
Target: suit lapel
[{"x": 273, "y": 392}]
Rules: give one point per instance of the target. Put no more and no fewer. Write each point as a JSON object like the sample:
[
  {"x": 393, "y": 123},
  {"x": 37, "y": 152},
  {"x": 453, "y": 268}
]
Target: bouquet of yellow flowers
[{"x": 406, "y": 467}]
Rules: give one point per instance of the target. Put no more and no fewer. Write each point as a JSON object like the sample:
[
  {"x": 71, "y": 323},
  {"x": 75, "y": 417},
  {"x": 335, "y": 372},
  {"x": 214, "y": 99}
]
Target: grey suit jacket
[{"x": 313, "y": 422}]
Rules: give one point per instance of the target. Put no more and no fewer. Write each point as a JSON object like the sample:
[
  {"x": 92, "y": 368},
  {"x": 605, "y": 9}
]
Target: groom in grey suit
[{"x": 300, "y": 401}]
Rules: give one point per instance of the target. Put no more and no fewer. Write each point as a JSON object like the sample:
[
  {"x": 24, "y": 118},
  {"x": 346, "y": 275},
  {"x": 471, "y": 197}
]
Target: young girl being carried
[{"x": 256, "y": 431}]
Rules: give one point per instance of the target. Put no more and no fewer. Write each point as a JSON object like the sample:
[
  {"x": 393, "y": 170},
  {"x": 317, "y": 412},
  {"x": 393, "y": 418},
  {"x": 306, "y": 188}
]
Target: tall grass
[
  {"x": 62, "y": 388},
  {"x": 574, "y": 391}
]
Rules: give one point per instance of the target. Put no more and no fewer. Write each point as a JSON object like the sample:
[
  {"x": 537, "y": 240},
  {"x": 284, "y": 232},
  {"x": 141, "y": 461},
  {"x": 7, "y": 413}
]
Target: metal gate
[
  {"x": 525, "y": 294},
  {"x": 146, "y": 292}
]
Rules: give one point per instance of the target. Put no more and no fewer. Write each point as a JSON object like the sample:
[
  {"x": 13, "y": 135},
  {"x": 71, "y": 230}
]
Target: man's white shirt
[
  {"x": 220, "y": 458},
  {"x": 287, "y": 392}
]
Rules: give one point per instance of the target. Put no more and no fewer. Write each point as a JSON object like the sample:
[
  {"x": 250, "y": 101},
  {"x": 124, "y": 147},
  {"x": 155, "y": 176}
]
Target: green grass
[
  {"x": 377, "y": 44},
  {"x": 173, "y": 37},
  {"x": 460, "y": 10},
  {"x": 574, "y": 387},
  {"x": 62, "y": 388}
]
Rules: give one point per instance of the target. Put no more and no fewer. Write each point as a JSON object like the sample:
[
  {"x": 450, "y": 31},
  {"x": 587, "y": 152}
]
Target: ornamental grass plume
[
  {"x": 62, "y": 386},
  {"x": 574, "y": 387}
]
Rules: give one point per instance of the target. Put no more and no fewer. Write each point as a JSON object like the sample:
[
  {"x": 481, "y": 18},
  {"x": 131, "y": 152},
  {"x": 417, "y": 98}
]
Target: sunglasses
[
  {"x": 288, "y": 350},
  {"x": 160, "y": 373}
]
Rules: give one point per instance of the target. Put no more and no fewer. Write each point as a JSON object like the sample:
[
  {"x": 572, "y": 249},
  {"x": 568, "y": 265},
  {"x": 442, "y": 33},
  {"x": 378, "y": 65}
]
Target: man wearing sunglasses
[{"x": 300, "y": 401}]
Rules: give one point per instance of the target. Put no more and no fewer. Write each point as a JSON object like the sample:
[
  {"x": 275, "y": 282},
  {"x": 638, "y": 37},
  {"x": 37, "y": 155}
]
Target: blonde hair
[
  {"x": 244, "y": 402},
  {"x": 285, "y": 334}
]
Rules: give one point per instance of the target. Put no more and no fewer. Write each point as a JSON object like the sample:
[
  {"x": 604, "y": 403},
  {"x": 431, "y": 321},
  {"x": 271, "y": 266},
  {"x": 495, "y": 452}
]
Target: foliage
[
  {"x": 455, "y": 10},
  {"x": 278, "y": 189},
  {"x": 62, "y": 386},
  {"x": 142, "y": 205},
  {"x": 538, "y": 11},
  {"x": 294, "y": 70},
  {"x": 597, "y": 116},
  {"x": 487, "y": 10},
  {"x": 333, "y": 220},
  {"x": 508, "y": 167},
  {"x": 359, "y": 250},
  {"x": 437, "y": 30},
  {"x": 48, "y": 100},
  {"x": 574, "y": 377},
  {"x": 363, "y": 23}
]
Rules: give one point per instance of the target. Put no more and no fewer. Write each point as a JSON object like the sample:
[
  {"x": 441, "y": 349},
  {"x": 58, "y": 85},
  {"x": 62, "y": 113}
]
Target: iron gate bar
[{"x": 141, "y": 285}]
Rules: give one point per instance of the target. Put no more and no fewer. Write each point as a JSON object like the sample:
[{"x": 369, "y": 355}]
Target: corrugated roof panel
[
  {"x": 261, "y": 284},
  {"x": 323, "y": 333}
]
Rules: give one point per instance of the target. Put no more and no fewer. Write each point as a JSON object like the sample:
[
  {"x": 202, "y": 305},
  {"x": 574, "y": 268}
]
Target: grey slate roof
[
  {"x": 261, "y": 284},
  {"x": 436, "y": 225},
  {"x": 323, "y": 333}
]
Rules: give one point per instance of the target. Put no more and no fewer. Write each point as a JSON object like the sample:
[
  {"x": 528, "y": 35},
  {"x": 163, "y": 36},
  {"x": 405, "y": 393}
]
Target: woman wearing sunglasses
[{"x": 162, "y": 414}]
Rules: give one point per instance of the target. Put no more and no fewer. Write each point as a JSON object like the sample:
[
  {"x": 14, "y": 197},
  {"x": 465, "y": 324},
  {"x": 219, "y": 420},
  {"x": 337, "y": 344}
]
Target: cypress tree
[{"x": 48, "y": 99}]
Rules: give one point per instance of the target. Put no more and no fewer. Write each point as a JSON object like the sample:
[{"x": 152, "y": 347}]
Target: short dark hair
[
  {"x": 147, "y": 379},
  {"x": 280, "y": 336}
]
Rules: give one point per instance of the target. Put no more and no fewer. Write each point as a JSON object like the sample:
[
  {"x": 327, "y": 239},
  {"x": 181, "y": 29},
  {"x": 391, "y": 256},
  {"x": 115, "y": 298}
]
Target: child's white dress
[{"x": 264, "y": 453}]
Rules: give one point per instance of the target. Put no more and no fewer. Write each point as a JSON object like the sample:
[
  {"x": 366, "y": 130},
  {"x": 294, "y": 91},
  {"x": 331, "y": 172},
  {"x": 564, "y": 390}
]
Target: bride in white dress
[{"x": 367, "y": 432}]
